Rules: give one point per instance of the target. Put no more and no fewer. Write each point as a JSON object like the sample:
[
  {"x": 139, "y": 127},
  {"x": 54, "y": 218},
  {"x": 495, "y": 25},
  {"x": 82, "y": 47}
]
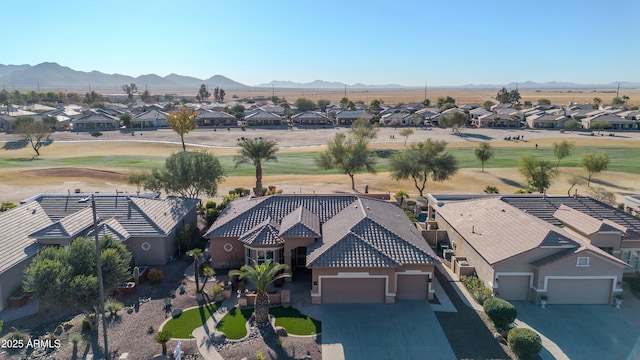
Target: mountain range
[{"x": 52, "y": 76}]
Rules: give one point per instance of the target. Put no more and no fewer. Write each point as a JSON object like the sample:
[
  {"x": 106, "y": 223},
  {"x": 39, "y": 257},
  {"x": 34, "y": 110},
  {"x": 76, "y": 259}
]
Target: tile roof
[
  {"x": 265, "y": 233},
  {"x": 112, "y": 228},
  {"x": 140, "y": 216},
  {"x": 68, "y": 227},
  {"x": 356, "y": 231},
  {"x": 545, "y": 208},
  {"x": 584, "y": 223},
  {"x": 153, "y": 114},
  {"x": 300, "y": 223},
  {"x": 15, "y": 226},
  {"x": 495, "y": 229}
]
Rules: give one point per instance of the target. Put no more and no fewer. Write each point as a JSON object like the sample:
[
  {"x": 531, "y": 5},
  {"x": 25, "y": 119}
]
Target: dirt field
[{"x": 17, "y": 184}]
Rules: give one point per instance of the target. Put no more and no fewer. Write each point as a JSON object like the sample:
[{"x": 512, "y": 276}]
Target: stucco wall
[
  {"x": 11, "y": 280},
  {"x": 567, "y": 267},
  {"x": 156, "y": 253},
  {"x": 222, "y": 258}
]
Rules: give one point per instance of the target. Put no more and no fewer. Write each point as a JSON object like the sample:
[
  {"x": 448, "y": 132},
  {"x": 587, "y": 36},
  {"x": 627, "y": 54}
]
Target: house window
[
  {"x": 248, "y": 258},
  {"x": 632, "y": 257},
  {"x": 263, "y": 255},
  {"x": 583, "y": 261}
]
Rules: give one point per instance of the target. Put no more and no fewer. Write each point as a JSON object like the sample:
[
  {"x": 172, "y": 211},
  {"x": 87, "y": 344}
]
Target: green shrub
[
  {"x": 155, "y": 276},
  {"x": 113, "y": 306},
  {"x": 7, "y": 206},
  {"x": 411, "y": 203},
  {"x": 500, "y": 311},
  {"x": 212, "y": 215},
  {"x": 410, "y": 215},
  {"x": 525, "y": 343},
  {"x": 210, "y": 204},
  {"x": 523, "y": 191},
  {"x": 476, "y": 288}
]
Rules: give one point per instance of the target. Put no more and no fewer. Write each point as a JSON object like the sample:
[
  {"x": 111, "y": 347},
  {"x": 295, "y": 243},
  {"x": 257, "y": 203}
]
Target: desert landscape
[{"x": 22, "y": 176}]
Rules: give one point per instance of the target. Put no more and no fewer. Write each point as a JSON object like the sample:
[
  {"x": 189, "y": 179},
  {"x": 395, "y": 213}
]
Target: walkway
[{"x": 203, "y": 334}]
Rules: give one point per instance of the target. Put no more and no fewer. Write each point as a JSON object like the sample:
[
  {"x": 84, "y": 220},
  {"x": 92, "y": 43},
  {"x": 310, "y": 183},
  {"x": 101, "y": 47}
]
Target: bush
[
  {"x": 210, "y": 204},
  {"x": 523, "y": 191},
  {"x": 96, "y": 133},
  {"x": 155, "y": 276},
  {"x": 500, "y": 311},
  {"x": 411, "y": 203},
  {"x": 212, "y": 215},
  {"x": 410, "y": 215},
  {"x": 525, "y": 343},
  {"x": 113, "y": 306},
  {"x": 477, "y": 289}
]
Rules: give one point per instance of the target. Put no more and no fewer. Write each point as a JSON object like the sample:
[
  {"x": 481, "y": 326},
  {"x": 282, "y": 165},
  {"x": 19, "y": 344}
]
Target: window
[
  {"x": 632, "y": 257},
  {"x": 583, "y": 261},
  {"x": 264, "y": 255},
  {"x": 248, "y": 258}
]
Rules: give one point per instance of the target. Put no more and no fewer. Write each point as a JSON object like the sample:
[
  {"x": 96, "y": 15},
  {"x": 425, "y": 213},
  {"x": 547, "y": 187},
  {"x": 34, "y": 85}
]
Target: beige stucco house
[
  {"x": 526, "y": 248},
  {"x": 146, "y": 224},
  {"x": 358, "y": 249}
]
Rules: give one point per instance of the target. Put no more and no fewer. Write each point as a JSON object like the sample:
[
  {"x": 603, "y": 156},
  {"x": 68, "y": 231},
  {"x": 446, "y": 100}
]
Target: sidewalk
[{"x": 203, "y": 334}]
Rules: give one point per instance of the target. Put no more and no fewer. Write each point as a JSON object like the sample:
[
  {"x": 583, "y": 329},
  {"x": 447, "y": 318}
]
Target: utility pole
[
  {"x": 618, "y": 91},
  {"x": 425, "y": 91},
  {"x": 345, "y": 90},
  {"x": 100, "y": 283}
]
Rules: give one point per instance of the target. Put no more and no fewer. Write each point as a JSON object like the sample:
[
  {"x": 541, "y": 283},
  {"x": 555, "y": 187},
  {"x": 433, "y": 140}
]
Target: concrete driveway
[
  {"x": 406, "y": 330},
  {"x": 584, "y": 331}
]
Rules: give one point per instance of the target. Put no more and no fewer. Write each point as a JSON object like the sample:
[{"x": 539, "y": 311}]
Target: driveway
[
  {"x": 584, "y": 331},
  {"x": 406, "y": 330}
]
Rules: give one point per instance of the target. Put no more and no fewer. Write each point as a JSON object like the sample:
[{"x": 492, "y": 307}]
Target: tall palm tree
[
  {"x": 261, "y": 276},
  {"x": 196, "y": 273},
  {"x": 256, "y": 152},
  {"x": 484, "y": 153},
  {"x": 401, "y": 195}
]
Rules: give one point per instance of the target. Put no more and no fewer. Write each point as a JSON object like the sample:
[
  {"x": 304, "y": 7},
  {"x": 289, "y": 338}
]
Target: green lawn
[
  {"x": 183, "y": 326},
  {"x": 233, "y": 325},
  {"x": 295, "y": 322},
  {"x": 621, "y": 159}
]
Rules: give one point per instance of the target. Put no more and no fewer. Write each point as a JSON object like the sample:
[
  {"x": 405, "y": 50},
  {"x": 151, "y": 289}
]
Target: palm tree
[
  {"x": 162, "y": 338},
  {"x": 261, "y": 276},
  {"x": 484, "y": 153},
  {"x": 196, "y": 256},
  {"x": 401, "y": 195},
  {"x": 256, "y": 152}
]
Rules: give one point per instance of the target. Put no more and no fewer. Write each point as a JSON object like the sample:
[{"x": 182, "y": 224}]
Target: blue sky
[{"x": 451, "y": 42}]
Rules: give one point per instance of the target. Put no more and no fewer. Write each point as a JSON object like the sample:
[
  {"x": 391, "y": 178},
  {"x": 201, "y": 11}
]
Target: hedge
[
  {"x": 477, "y": 288},
  {"x": 500, "y": 311},
  {"x": 525, "y": 343}
]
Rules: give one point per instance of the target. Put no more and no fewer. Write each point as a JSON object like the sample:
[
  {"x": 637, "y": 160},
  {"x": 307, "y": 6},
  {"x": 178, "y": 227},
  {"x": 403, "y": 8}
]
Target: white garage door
[
  {"x": 580, "y": 291},
  {"x": 359, "y": 290},
  {"x": 412, "y": 287},
  {"x": 513, "y": 287}
]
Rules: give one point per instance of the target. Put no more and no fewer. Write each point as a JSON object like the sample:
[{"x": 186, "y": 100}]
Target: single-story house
[
  {"x": 521, "y": 256},
  {"x": 358, "y": 249},
  {"x": 261, "y": 117},
  {"x": 347, "y": 117},
  {"x": 397, "y": 118},
  {"x": 614, "y": 121},
  {"x": 496, "y": 120},
  {"x": 150, "y": 119},
  {"x": 546, "y": 121},
  {"x": 96, "y": 121},
  {"x": 145, "y": 224},
  {"x": 214, "y": 117},
  {"x": 310, "y": 118}
]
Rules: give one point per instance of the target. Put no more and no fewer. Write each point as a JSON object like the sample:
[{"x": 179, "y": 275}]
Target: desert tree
[
  {"x": 261, "y": 276},
  {"x": 487, "y": 105},
  {"x": 573, "y": 182},
  {"x": 304, "y": 104},
  {"x": 484, "y": 152},
  {"x": 489, "y": 189},
  {"x": 186, "y": 174},
  {"x": 125, "y": 120},
  {"x": 421, "y": 161},
  {"x": 375, "y": 105},
  {"x": 601, "y": 194},
  {"x": 322, "y": 104},
  {"x": 455, "y": 119},
  {"x": 596, "y": 102},
  {"x": 544, "y": 101},
  {"x": 594, "y": 163},
  {"x": 406, "y": 132},
  {"x": 538, "y": 172},
  {"x": 561, "y": 150},
  {"x": 221, "y": 95},
  {"x": 572, "y": 124},
  {"x": 36, "y": 133},
  {"x": 256, "y": 152},
  {"x": 182, "y": 122},
  {"x": 362, "y": 129},
  {"x": 69, "y": 276},
  {"x": 203, "y": 93},
  {"x": 130, "y": 90},
  {"x": 350, "y": 155}
]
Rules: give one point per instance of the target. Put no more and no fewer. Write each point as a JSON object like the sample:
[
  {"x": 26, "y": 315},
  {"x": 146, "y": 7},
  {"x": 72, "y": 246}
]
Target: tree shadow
[
  {"x": 511, "y": 182},
  {"x": 384, "y": 153},
  {"x": 15, "y": 145},
  {"x": 476, "y": 136},
  {"x": 606, "y": 183}
]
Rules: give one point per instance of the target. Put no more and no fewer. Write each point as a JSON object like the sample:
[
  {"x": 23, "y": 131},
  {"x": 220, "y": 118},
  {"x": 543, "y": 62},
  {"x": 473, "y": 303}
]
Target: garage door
[
  {"x": 513, "y": 287},
  {"x": 587, "y": 291},
  {"x": 353, "y": 290},
  {"x": 412, "y": 287}
]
